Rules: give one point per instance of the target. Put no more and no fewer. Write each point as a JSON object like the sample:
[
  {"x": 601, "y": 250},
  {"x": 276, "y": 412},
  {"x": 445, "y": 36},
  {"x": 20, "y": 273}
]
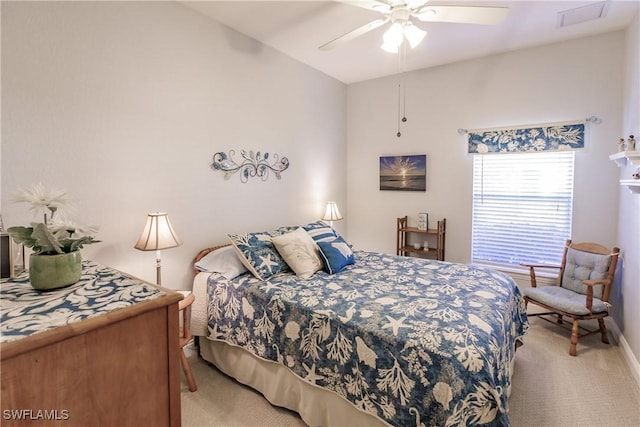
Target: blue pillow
[
  {"x": 336, "y": 255},
  {"x": 257, "y": 253},
  {"x": 320, "y": 231}
]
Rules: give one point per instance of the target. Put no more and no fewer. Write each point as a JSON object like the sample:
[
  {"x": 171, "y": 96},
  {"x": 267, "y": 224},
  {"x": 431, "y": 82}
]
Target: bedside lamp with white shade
[
  {"x": 158, "y": 234},
  {"x": 331, "y": 213}
]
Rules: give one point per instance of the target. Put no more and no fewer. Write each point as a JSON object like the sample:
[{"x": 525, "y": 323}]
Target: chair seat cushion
[{"x": 565, "y": 300}]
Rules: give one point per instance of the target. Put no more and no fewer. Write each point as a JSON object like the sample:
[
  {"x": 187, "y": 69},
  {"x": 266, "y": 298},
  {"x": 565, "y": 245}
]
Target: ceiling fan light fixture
[
  {"x": 389, "y": 47},
  {"x": 394, "y": 35},
  {"x": 398, "y": 32},
  {"x": 413, "y": 34}
]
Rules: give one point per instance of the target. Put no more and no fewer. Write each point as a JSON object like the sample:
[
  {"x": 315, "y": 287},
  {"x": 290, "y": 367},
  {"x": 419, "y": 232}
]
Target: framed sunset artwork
[{"x": 403, "y": 173}]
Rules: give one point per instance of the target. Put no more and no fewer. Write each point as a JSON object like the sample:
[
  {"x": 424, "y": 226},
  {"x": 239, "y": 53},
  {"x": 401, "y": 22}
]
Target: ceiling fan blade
[
  {"x": 381, "y": 6},
  {"x": 485, "y": 15},
  {"x": 353, "y": 34},
  {"x": 415, "y": 4}
]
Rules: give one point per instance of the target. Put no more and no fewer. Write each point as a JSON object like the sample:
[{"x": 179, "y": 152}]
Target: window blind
[{"x": 522, "y": 207}]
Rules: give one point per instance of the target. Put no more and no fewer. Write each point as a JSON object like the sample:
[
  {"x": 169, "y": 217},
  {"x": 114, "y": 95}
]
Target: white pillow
[
  {"x": 299, "y": 251},
  {"x": 224, "y": 261}
]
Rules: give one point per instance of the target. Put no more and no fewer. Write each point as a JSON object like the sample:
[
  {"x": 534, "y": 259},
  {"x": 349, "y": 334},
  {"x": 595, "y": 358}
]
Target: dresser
[{"x": 101, "y": 352}]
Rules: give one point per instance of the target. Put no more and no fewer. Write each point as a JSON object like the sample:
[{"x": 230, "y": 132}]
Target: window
[{"x": 522, "y": 205}]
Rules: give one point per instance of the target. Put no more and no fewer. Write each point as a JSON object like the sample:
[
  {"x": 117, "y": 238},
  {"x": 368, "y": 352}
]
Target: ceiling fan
[{"x": 401, "y": 12}]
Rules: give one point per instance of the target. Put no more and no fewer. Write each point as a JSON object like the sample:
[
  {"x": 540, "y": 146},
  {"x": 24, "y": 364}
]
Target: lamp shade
[
  {"x": 413, "y": 34},
  {"x": 158, "y": 234},
  {"x": 392, "y": 38},
  {"x": 331, "y": 213}
]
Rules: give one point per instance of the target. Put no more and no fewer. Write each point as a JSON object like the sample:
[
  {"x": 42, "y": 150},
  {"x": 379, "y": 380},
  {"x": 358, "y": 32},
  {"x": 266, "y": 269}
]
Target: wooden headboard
[{"x": 204, "y": 252}]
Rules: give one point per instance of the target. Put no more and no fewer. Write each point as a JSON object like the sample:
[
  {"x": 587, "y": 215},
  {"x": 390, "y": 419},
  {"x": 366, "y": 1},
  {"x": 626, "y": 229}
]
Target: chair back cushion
[{"x": 581, "y": 266}]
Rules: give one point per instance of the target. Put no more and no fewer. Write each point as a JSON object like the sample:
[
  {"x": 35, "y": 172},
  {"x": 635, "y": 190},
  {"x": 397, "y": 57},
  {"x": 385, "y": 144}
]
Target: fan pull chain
[
  {"x": 398, "y": 134},
  {"x": 404, "y": 99},
  {"x": 404, "y": 80},
  {"x": 402, "y": 87}
]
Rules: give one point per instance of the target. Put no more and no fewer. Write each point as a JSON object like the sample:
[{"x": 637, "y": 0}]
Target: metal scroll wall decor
[{"x": 252, "y": 165}]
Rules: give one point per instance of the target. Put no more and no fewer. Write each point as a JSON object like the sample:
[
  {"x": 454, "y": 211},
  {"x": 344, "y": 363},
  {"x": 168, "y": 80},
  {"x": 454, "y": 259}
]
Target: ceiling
[{"x": 298, "y": 28}]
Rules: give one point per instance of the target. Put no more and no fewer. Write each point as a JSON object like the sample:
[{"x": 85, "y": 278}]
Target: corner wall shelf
[
  {"x": 632, "y": 184},
  {"x": 623, "y": 157}
]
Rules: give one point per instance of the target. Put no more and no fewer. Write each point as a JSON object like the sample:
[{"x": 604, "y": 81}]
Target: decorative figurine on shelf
[
  {"x": 631, "y": 143},
  {"x": 621, "y": 145},
  {"x": 636, "y": 174}
]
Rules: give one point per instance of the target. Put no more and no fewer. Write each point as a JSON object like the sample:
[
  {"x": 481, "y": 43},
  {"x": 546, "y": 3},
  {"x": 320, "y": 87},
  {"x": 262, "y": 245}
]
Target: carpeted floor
[{"x": 550, "y": 388}]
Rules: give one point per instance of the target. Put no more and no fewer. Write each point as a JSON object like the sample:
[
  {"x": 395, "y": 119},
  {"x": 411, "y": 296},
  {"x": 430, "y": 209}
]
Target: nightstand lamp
[
  {"x": 158, "y": 234},
  {"x": 331, "y": 213}
]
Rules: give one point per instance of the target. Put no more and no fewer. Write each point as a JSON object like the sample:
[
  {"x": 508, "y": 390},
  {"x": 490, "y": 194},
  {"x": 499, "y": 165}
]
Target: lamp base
[{"x": 158, "y": 269}]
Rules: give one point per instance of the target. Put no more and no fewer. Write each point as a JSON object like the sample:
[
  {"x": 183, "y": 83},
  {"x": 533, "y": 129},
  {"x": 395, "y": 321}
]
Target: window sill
[{"x": 541, "y": 272}]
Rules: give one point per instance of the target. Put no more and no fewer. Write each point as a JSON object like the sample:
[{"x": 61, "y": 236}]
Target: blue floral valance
[{"x": 552, "y": 137}]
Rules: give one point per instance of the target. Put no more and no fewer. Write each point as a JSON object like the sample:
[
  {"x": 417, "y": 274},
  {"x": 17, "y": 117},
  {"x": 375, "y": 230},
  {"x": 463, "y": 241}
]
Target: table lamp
[
  {"x": 158, "y": 234},
  {"x": 331, "y": 213}
]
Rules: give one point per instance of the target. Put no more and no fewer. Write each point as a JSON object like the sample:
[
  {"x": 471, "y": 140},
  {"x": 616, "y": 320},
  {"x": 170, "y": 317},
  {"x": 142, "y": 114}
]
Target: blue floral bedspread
[
  {"x": 25, "y": 311},
  {"x": 412, "y": 341}
]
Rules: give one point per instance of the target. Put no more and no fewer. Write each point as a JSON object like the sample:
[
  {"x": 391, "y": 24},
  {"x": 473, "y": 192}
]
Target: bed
[{"x": 368, "y": 339}]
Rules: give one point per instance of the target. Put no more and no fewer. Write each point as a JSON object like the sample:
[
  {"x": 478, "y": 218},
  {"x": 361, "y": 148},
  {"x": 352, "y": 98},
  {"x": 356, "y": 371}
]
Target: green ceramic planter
[{"x": 54, "y": 271}]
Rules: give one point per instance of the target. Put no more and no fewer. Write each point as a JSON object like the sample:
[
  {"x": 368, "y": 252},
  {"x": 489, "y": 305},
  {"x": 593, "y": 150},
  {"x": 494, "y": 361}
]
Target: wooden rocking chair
[{"x": 583, "y": 287}]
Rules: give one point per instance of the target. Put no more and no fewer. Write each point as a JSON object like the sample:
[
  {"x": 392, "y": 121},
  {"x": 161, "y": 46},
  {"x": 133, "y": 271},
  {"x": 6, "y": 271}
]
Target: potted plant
[{"x": 56, "y": 242}]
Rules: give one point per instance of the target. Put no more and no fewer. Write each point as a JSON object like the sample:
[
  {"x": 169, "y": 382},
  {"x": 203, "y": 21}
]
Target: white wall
[
  {"x": 626, "y": 296},
  {"x": 123, "y": 105},
  {"x": 564, "y": 81}
]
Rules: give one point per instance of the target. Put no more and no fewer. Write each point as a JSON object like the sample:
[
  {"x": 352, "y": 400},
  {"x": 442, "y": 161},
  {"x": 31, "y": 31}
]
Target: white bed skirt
[{"x": 281, "y": 387}]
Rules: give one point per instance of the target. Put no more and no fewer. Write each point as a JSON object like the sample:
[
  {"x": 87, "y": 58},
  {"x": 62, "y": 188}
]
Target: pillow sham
[
  {"x": 299, "y": 251},
  {"x": 320, "y": 231},
  {"x": 257, "y": 253},
  {"x": 336, "y": 255},
  {"x": 224, "y": 261}
]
